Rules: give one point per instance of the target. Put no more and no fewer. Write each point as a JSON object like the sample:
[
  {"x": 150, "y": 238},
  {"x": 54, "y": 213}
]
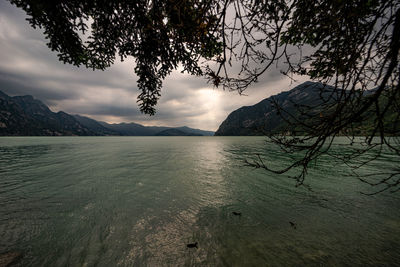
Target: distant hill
[
  {"x": 263, "y": 117},
  {"x": 24, "y": 115},
  {"x": 176, "y": 132},
  {"x": 95, "y": 126},
  {"x": 135, "y": 129},
  {"x": 197, "y": 132}
]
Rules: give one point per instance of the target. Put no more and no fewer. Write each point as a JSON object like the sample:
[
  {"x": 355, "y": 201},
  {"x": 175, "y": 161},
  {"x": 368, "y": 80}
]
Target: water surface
[{"x": 137, "y": 201}]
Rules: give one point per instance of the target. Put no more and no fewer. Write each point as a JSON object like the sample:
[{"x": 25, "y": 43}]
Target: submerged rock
[{"x": 192, "y": 245}]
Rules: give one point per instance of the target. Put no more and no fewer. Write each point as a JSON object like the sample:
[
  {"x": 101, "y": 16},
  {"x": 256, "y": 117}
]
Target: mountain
[
  {"x": 304, "y": 103},
  {"x": 264, "y": 117},
  {"x": 197, "y": 132},
  {"x": 133, "y": 129},
  {"x": 176, "y": 132},
  {"x": 95, "y": 126},
  {"x": 24, "y": 115}
]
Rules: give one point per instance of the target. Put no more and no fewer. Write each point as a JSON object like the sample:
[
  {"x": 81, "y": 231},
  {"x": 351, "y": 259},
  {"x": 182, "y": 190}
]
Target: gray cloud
[
  {"x": 27, "y": 66},
  {"x": 21, "y": 84}
]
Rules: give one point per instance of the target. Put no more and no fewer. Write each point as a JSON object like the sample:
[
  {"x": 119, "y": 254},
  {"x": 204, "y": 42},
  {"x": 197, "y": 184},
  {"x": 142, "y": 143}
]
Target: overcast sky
[{"x": 28, "y": 67}]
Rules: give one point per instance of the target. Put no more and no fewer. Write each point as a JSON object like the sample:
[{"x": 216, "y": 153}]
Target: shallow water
[{"x": 137, "y": 201}]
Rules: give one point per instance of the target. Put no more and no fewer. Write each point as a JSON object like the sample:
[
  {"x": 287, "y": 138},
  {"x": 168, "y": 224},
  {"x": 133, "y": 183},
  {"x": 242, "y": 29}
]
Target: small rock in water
[
  {"x": 236, "y": 213},
  {"x": 293, "y": 225},
  {"x": 192, "y": 245},
  {"x": 6, "y": 259}
]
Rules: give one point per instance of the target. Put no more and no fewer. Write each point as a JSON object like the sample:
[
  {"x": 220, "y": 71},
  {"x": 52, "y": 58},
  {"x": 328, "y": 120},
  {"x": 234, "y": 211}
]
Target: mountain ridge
[
  {"x": 27, "y": 116},
  {"x": 262, "y": 117},
  {"x": 305, "y": 102}
]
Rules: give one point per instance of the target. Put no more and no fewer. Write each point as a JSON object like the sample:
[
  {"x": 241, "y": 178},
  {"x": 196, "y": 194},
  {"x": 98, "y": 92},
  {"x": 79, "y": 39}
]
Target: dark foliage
[{"x": 160, "y": 35}]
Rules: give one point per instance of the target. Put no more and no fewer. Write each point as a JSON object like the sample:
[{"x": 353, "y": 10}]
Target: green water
[{"x": 137, "y": 201}]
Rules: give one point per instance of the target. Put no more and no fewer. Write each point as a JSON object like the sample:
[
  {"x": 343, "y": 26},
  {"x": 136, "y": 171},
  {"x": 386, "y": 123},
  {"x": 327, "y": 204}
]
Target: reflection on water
[{"x": 137, "y": 201}]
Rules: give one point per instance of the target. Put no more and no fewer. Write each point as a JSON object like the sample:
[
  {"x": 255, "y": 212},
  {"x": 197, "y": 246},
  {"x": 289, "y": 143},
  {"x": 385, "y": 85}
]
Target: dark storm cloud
[
  {"x": 20, "y": 84},
  {"x": 27, "y": 66},
  {"x": 114, "y": 110}
]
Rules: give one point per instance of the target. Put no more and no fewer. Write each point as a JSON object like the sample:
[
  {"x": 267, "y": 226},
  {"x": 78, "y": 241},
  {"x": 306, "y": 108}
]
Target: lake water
[{"x": 138, "y": 201}]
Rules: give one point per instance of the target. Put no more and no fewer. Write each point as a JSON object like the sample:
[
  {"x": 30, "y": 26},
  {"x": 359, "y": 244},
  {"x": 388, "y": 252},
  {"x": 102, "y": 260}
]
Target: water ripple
[{"x": 138, "y": 201}]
